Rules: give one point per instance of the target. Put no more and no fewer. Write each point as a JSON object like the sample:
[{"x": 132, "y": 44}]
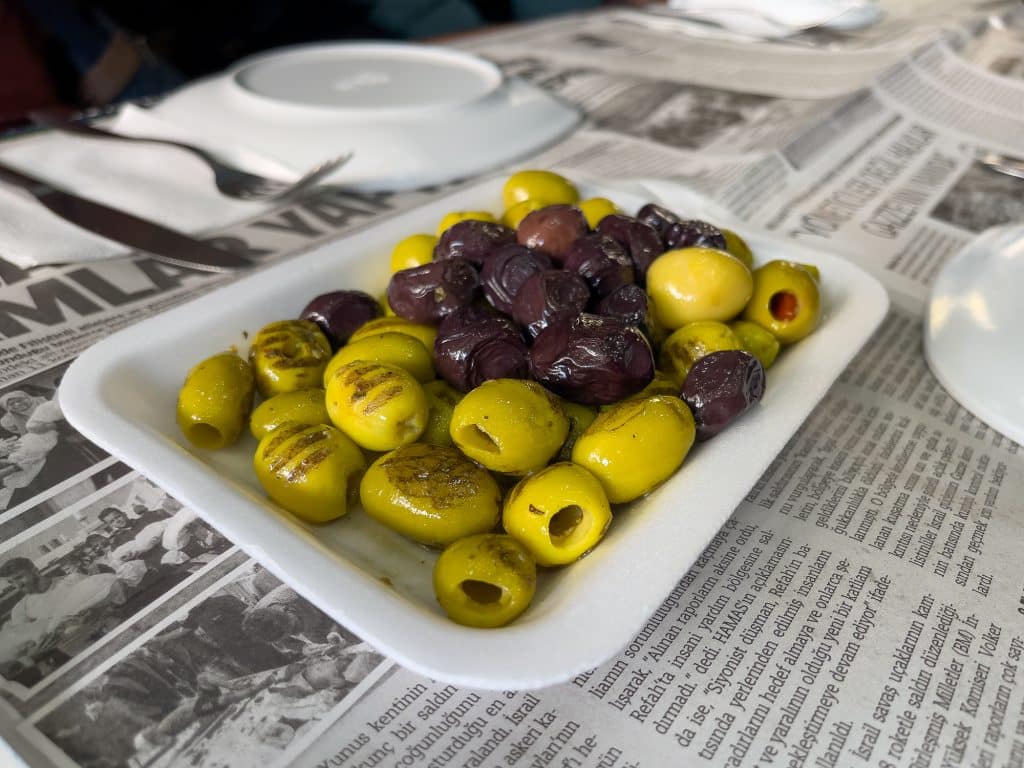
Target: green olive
[
  {"x": 486, "y": 580},
  {"x": 431, "y": 494},
  {"x": 304, "y": 406},
  {"x": 379, "y": 406},
  {"x": 426, "y": 334},
  {"x": 311, "y": 470},
  {"x": 757, "y": 341},
  {"x": 289, "y": 355},
  {"x": 215, "y": 400},
  {"x": 636, "y": 445},
  {"x": 450, "y": 219},
  {"x": 398, "y": 349},
  {"x": 413, "y": 251},
  {"x": 509, "y": 425},
  {"x": 513, "y": 216},
  {"x": 559, "y": 513},
  {"x": 738, "y": 247},
  {"x": 596, "y": 208},
  {"x": 691, "y": 342},
  {"x": 442, "y": 398},
  {"x": 786, "y": 300},
  {"x": 545, "y": 186},
  {"x": 693, "y": 284},
  {"x": 580, "y": 417}
]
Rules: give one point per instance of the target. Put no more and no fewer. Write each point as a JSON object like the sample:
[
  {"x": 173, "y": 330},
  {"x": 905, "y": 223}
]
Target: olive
[
  {"x": 451, "y": 219},
  {"x": 545, "y": 186},
  {"x": 289, "y": 355},
  {"x": 379, "y": 406},
  {"x": 509, "y": 426},
  {"x": 310, "y": 470},
  {"x": 427, "y": 293},
  {"x": 596, "y": 208},
  {"x": 504, "y": 274},
  {"x": 305, "y": 406},
  {"x": 721, "y": 387},
  {"x": 548, "y": 296},
  {"x": 398, "y": 349},
  {"x": 694, "y": 233},
  {"x": 601, "y": 261},
  {"x": 641, "y": 242},
  {"x": 486, "y": 580},
  {"x": 659, "y": 218},
  {"x": 473, "y": 240},
  {"x": 631, "y": 305},
  {"x": 580, "y": 417},
  {"x": 552, "y": 229},
  {"x": 636, "y": 445},
  {"x": 413, "y": 251},
  {"x": 785, "y": 300},
  {"x": 424, "y": 333},
  {"x": 698, "y": 284},
  {"x": 215, "y": 400},
  {"x": 592, "y": 359},
  {"x": 738, "y": 247},
  {"x": 559, "y": 514},
  {"x": 441, "y": 398},
  {"x": 757, "y": 341},
  {"x": 692, "y": 342},
  {"x": 474, "y": 346},
  {"x": 662, "y": 384},
  {"x": 514, "y": 215},
  {"x": 432, "y": 494},
  {"x": 339, "y": 313}
]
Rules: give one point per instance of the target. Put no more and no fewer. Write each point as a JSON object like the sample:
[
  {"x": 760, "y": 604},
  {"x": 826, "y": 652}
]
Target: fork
[
  {"x": 230, "y": 181},
  {"x": 1008, "y": 166}
]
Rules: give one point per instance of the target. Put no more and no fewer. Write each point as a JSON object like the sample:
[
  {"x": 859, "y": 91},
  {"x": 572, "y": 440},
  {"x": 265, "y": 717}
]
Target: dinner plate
[
  {"x": 121, "y": 394},
  {"x": 972, "y": 337}
]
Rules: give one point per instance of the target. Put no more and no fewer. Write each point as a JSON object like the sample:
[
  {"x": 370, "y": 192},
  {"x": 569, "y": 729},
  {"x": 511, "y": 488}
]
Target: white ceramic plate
[
  {"x": 121, "y": 394},
  {"x": 972, "y": 338}
]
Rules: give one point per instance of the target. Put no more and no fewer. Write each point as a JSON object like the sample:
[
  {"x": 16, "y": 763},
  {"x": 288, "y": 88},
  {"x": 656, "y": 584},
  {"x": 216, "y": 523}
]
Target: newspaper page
[{"x": 859, "y": 608}]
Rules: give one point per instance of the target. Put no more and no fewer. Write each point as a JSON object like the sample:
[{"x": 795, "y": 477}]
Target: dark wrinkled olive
[
  {"x": 601, "y": 261},
  {"x": 640, "y": 241},
  {"x": 505, "y": 272},
  {"x": 474, "y": 346},
  {"x": 720, "y": 387},
  {"x": 339, "y": 313},
  {"x": 548, "y": 296},
  {"x": 658, "y": 217},
  {"x": 629, "y": 304},
  {"x": 427, "y": 293},
  {"x": 472, "y": 240},
  {"x": 591, "y": 359},
  {"x": 552, "y": 229},
  {"x": 694, "y": 232}
]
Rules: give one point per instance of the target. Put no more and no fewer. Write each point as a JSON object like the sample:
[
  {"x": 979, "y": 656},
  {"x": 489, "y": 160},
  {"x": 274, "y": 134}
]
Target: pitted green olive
[
  {"x": 215, "y": 400},
  {"x": 757, "y": 341},
  {"x": 442, "y": 398},
  {"x": 786, "y": 300},
  {"x": 691, "y": 342},
  {"x": 289, "y": 355},
  {"x": 379, "y": 406},
  {"x": 304, "y": 406},
  {"x": 398, "y": 349}
]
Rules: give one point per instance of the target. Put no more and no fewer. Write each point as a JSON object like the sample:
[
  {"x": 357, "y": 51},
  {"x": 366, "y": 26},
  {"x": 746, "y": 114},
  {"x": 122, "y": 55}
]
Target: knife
[{"x": 141, "y": 234}]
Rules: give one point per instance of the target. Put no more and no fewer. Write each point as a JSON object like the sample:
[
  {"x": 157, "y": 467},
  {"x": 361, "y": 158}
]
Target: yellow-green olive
[
  {"x": 738, "y": 247},
  {"x": 509, "y": 425},
  {"x": 690, "y": 343},
  {"x": 580, "y": 417},
  {"x": 398, "y": 349},
  {"x": 559, "y": 513},
  {"x": 453, "y": 218},
  {"x": 311, "y": 470},
  {"x": 413, "y": 251},
  {"x": 379, "y": 406},
  {"x": 692, "y": 284},
  {"x": 215, "y": 400},
  {"x": 545, "y": 186},
  {"x": 304, "y": 406},
  {"x": 637, "y": 445},
  {"x": 662, "y": 384},
  {"x": 757, "y": 341},
  {"x": 514, "y": 215},
  {"x": 786, "y": 300},
  {"x": 426, "y": 334},
  {"x": 596, "y": 208},
  {"x": 486, "y": 580},
  {"x": 442, "y": 398},
  {"x": 289, "y": 355},
  {"x": 431, "y": 494}
]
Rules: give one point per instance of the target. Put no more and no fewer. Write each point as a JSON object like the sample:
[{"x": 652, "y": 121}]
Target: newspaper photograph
[{"x": 862, "y": 606}]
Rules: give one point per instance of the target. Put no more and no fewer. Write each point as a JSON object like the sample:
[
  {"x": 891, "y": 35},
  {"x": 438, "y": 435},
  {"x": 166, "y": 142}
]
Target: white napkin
[
  {"x": 166, "y": 185},
  {"x": 766, "y": 19}
]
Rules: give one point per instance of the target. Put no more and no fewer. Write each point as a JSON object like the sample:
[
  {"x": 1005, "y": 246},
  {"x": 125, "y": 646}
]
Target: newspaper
[{"x": 861, "y": 607}]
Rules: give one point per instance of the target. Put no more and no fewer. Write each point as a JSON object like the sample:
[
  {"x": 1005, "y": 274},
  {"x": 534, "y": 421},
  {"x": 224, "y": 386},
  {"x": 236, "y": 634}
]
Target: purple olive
[
  {"x": 628, "y": 303},
  {"x": 472, "y": 240},
  {"x": 659, "y": 218},
  {"x": 601, "y": 261},
  {"x": 505, "y": 272},
  {"x": 695, "y": 233},
  {"x": 552, "y": 229},
  {"x": 720, "y": 387},
  {"x": 340, "y": 313},
  {"x": 640, "y": 241},
  {"x": 426, "y": 293},
  {"x": 592, "y": 360},
  {"x": 474, "y": 346},
  {"x": 548, "y": 296}
]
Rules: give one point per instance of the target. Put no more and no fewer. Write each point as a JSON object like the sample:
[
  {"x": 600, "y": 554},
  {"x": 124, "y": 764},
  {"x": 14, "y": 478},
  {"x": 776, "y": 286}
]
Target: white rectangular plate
[{"x": 121, "y": 394}]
